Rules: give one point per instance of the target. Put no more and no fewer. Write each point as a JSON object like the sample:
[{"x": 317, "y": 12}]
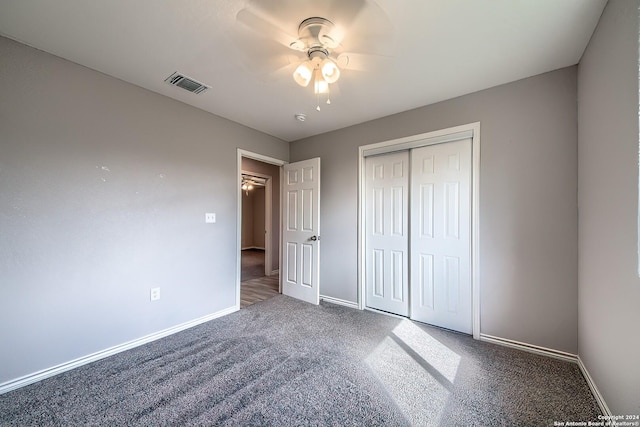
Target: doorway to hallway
[{"x": 259, "y": 230}]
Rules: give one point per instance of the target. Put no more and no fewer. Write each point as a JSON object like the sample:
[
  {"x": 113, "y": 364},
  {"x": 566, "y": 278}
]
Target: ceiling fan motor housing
[
  {"x": 316, "y": 32},
  {"x": 317, "y": 55}
]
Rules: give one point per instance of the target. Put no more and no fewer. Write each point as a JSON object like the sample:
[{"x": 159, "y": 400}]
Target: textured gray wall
[
  {"x": 609, "y": 288},
  {"x": 528, "y": 206},
  {"x": 103, "y": 191}
]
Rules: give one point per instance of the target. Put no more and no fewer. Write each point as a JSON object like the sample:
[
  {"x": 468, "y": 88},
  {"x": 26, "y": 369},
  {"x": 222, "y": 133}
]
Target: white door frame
[
  {"x": 471, "y": 130},
  {"x": 265, "y": 159}
]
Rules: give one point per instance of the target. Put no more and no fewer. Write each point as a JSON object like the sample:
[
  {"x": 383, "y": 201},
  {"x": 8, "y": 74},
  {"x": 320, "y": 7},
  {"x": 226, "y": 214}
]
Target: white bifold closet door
[
  {"x": 387, "y": 232},
  {"x": 418, "y": 234}
]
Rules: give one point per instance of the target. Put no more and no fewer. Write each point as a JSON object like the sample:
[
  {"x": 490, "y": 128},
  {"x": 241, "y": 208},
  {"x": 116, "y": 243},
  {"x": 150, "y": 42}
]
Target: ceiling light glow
[
  {"x": 302, "y": 75},
  {"x": 330, "y": 71}
]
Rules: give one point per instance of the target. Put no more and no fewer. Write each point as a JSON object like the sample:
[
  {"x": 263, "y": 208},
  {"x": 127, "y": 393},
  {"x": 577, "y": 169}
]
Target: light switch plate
[
  {"x": 210, "y": 218},
  {"x": 155, "y": 294}
]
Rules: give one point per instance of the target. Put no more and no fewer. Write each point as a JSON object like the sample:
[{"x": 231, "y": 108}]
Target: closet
[{"x": 417, "y": 232}]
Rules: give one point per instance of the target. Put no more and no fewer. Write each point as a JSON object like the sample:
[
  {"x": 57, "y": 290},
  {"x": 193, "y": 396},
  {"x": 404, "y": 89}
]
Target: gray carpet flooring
[{"x": 282, "y": 362}]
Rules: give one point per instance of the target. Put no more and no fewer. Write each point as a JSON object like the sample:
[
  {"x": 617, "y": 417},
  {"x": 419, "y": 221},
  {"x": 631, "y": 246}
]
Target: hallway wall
[{"x": 253, "y": 218}]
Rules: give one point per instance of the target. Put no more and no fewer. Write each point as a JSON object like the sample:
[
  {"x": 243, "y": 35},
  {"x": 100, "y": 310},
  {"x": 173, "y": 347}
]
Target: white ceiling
[{"x": 440, "y": 49}]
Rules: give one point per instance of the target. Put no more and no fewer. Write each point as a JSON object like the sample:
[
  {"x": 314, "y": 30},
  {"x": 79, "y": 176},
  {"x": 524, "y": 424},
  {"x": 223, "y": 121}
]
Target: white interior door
[
  {"x": 301, "y": 230},
  {"x": 387, "y": 232},
  {"x": 441, "y": 235}
]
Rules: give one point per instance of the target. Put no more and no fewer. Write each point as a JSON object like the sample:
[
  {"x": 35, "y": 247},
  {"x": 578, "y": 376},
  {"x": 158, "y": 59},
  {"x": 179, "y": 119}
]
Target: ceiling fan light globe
[
  {"x": 302, "y": 75},
  {"x": 330, "y": 71},
  {"x": 320, "y": 86}
]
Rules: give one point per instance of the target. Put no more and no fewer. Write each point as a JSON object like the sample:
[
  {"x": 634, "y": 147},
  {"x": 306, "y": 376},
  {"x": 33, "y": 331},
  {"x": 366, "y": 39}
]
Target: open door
[{"x": 301, "y": 230}]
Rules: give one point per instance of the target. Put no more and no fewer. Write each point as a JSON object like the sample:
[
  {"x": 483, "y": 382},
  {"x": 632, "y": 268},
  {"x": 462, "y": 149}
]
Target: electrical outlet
[
  {"x": 155, "y": 294},
  {"x": 210, "y": 218}
]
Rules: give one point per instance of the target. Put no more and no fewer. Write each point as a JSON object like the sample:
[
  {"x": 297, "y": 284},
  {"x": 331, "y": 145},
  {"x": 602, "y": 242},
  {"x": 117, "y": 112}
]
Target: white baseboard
[
  {"x": 339, "y": 301},
  {"x": 67, "y": 366},
  {"x": 558, "y": 355},
  {"x": 530, "y": 348},
  {"x": 594, "y": 389}
]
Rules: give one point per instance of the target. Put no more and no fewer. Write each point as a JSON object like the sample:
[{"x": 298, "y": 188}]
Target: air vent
[{"x": 186, "y": 83}]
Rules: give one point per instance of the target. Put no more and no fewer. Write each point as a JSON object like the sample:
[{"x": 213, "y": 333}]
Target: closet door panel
[
  {"x": 440, "y": 279},
  {"x": 387, "y": 232}
]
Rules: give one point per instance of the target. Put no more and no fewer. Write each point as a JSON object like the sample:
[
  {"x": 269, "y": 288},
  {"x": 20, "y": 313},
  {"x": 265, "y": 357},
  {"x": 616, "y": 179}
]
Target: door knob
[{"x": 314, "y": 238}]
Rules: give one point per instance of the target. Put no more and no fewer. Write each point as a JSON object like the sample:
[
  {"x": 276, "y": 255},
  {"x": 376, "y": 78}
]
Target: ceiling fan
[{"x": 330, "y": 36}]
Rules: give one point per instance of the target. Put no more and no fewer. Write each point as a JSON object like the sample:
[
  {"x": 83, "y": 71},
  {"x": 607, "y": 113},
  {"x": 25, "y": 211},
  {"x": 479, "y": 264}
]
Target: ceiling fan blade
[
  {"x": 370, "y": 31},
  {"x": 342, "y": 14},
  {"x": 263, "y": 27},
  {"x": 287, "y": 63},
  {"x": 364, "y": 61},
  {"x": 261, "y": 58}
]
